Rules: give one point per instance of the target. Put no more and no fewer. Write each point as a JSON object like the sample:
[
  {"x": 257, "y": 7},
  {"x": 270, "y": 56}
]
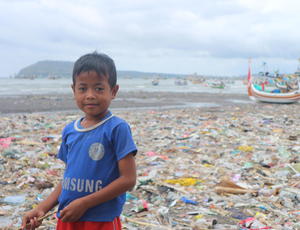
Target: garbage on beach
[
  {"x": 229, "y": 168},
  {"x": 227, "y": 186}
]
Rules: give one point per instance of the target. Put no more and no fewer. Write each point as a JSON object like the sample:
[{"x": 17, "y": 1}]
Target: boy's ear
[
  {"x": 73, "y": 88},
  {"x": 114, "y": 91}
]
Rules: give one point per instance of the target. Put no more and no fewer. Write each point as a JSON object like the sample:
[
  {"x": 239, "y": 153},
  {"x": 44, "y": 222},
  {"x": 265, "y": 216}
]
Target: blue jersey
[{"x": 91, "y": 156}]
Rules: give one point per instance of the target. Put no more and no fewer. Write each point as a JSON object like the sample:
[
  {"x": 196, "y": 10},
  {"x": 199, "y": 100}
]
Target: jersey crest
[{"x": 96, "y": 151}]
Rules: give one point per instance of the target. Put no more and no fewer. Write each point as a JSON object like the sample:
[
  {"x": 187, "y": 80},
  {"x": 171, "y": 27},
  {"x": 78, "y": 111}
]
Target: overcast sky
[{"x": 213, "y": 37}]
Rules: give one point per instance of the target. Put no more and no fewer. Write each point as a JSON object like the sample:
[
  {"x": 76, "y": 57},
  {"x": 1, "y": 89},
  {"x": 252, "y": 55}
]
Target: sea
[{"x": 19, "y": 87}]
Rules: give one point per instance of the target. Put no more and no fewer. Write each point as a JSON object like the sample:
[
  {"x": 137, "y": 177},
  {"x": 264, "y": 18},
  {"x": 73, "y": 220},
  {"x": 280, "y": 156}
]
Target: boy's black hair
[{"x": 101, "y": 63}]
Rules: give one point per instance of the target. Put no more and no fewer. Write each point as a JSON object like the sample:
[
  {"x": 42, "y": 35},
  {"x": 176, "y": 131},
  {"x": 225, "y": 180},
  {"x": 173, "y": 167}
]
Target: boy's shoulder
[
  {"x": 70, "y": 124},
  {"x": 116, "y": 121}
]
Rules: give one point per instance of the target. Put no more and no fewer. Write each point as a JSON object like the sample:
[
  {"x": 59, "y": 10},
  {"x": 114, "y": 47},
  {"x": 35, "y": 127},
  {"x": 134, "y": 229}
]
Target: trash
[
  {"x": 184, "y": 181},
  {"x": 245, "y": 148},
  {"x": 252, "y": 224},
  {"x": 227, "y": 186},
  {"x": 188, "y": 201},
  {"x": 229, "y": 168},
  {"x": 5, "y": 142},
  {"x": 13, "y": 200}
]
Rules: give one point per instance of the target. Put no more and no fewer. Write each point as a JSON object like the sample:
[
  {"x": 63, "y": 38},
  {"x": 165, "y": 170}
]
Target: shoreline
[{"x": 123, "y": 101}]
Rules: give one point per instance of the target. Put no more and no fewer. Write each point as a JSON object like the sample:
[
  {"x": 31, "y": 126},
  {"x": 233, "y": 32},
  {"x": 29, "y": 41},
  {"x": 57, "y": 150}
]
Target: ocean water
[{"x": 11, "y": 86}]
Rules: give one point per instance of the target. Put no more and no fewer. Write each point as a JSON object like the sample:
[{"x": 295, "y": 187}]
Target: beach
[
  {"x": 205, "y": 161},
  {"x": 124, "y": 100}
]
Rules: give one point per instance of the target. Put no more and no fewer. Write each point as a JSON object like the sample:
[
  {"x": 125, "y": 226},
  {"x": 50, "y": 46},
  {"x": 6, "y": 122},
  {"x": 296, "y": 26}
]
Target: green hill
[
  {"x": 60, "y": 69},
  {"x": 47, "y": 69}
]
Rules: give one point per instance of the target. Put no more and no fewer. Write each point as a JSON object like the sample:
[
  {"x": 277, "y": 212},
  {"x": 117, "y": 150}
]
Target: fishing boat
[
  {"x": 180, "y": 82},
  {"x": 276, "y": 96},
  {"x": 155, "y": 82},
  {"x": 218, "y": 85}
]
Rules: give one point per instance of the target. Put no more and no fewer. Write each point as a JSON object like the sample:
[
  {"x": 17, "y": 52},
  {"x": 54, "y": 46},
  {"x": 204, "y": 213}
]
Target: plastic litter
[{"x": 224, "y": 168}]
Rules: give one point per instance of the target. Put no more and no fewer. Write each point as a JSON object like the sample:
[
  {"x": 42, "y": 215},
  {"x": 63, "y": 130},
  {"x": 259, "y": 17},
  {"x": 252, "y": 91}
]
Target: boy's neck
[{"x": 88, "y": 122}]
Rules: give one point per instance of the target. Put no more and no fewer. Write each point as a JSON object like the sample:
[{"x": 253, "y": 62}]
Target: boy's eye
[
  {"x": 81, "y": 89},
  {"x": 99, "y": 89}
]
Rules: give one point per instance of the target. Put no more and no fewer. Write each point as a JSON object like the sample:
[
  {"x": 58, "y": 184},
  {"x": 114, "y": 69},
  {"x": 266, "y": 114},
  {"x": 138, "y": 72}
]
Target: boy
[{"x": 98, "y": 151}]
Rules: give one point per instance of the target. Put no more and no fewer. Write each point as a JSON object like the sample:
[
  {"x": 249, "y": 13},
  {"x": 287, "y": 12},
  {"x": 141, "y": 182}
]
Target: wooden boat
[
  {"x": 258, "y": 95},
  {"x": 180, "y": 82},
  {"x": 217, "y": 85},
  {"x": 155, "y": 82}
]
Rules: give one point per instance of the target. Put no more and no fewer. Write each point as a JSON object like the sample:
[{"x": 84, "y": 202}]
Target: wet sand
[{"x": 124, "y": 100}]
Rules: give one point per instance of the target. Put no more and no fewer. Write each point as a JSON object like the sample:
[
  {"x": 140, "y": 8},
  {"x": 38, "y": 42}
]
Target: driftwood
[
  {"x": 134, "y": 221},
  {"x": 172, "y": 186},
  {"x": 220, "y": 189},
  {"x": 227, "y": 186}
]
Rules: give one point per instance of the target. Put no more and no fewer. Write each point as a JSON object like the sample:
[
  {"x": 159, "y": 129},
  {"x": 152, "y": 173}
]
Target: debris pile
[{"x": 218, "y": 168}]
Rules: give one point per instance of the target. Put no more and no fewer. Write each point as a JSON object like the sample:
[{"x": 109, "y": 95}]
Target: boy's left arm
[{"x": 125, "y": 182}]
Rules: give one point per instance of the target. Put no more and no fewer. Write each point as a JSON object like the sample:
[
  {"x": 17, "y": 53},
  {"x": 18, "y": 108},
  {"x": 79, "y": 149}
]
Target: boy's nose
[{"x": 90, "y": 93}]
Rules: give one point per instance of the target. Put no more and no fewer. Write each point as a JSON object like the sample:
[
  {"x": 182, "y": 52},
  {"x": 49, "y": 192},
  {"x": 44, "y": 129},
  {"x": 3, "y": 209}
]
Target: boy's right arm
[{"x": 32, "y": 216}]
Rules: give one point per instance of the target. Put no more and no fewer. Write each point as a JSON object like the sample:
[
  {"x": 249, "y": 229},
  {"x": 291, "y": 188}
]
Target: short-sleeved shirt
[{"x": 91, "y": 156}]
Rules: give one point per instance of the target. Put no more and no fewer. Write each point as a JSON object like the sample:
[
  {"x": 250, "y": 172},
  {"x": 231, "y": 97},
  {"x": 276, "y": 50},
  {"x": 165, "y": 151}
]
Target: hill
[
  {"x": 60, "y": 69},
  {"x": 47, "y": 69}
]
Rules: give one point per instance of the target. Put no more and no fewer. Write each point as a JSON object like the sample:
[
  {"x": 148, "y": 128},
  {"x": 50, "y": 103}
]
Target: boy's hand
[
  {"x": 30, "y": 219},
  {"x": 73, "y": 211}
]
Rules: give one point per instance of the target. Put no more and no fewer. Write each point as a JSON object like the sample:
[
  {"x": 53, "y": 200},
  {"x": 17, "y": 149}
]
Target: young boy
[{"x": 98, "y": 151}]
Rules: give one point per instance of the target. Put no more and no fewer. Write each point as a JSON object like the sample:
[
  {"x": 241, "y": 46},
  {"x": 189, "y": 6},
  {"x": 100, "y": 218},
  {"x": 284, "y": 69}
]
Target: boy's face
[{"x": 93, "y": 94}]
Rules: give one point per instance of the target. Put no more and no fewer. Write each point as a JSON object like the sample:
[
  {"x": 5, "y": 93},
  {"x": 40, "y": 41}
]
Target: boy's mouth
[{"x": 91, "y": 105}]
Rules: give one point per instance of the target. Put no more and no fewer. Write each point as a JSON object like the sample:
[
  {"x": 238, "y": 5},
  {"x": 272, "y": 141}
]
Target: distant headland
[{"x": 63, "y": 69}]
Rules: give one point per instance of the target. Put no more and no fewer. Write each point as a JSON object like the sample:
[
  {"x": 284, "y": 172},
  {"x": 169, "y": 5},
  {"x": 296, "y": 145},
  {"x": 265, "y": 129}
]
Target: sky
[{"x": 207, "y": 37}]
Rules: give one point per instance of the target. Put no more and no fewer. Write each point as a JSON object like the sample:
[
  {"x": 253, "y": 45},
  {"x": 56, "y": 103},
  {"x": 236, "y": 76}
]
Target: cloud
[{"x": 151, "y": 35}]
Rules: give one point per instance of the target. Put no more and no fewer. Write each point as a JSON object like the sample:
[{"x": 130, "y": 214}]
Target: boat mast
[{"x": 249, "y": 78}]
